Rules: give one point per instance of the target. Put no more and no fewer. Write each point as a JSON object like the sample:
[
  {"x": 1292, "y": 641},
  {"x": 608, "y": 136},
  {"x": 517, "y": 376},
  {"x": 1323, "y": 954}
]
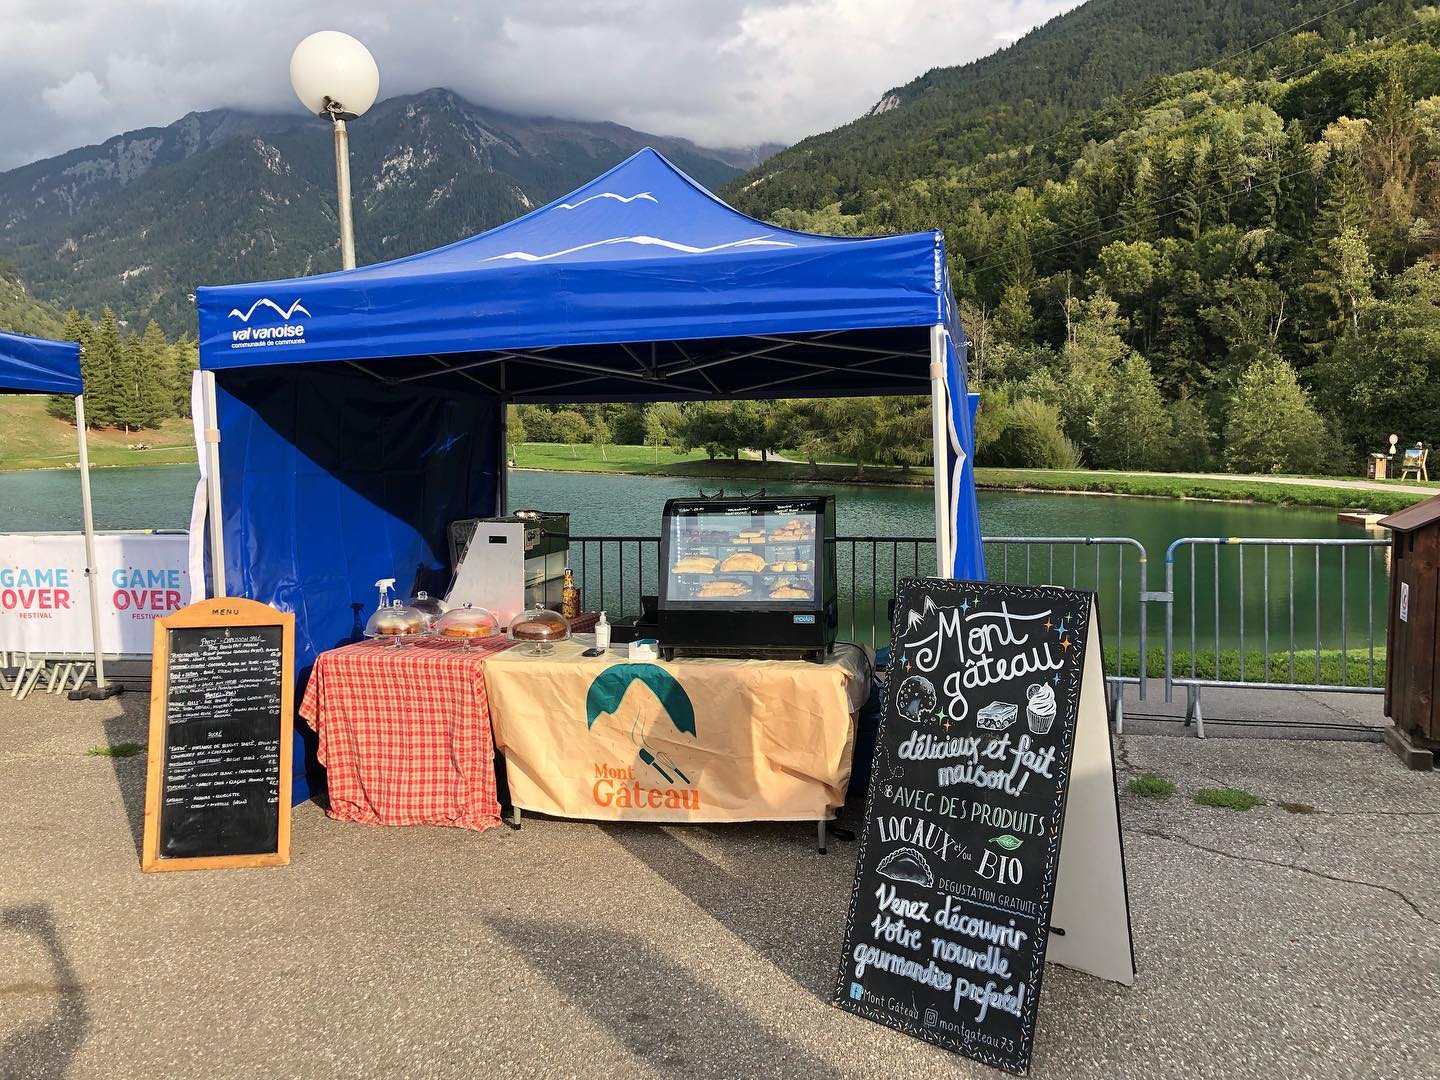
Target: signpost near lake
[
  {"x": 217, "y": 793},
  {"x": 994, "y": 746}
]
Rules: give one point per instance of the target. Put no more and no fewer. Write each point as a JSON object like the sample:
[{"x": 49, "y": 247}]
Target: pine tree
[
  {"x": 1392, "y": 158},
  {"x": 1137, "y": 207},
  {"x": 184, "y": 360},
  {"x": 157, "y": 387},
  {"x": 76, "y": 329},
  {"x": 102, "y": 388},
  {"x": 130, "y": 411}
]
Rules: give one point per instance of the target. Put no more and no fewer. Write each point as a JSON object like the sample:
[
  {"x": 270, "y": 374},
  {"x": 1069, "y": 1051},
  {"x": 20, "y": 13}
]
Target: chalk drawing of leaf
[{"x": 1006, "y": 841}]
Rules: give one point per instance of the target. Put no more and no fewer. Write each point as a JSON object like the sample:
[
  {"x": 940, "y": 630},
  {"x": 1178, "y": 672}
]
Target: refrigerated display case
[{"x": 748, "y": 577}]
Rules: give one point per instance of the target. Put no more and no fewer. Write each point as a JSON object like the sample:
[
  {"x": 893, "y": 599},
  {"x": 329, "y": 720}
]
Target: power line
[
  {"x": 984, "y": 268},
  {"x": 1220, "y": 181}
]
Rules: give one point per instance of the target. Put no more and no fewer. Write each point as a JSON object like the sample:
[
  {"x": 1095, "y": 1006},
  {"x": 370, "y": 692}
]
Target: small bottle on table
[{"x": 569, "y": 596}]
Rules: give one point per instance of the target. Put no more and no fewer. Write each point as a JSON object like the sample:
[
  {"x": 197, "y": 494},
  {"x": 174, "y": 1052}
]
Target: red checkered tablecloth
[{"x": 405, "y": 733}]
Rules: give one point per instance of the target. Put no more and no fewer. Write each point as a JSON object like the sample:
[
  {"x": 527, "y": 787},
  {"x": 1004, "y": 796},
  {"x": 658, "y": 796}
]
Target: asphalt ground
[{"x": 1300, "y": 942}]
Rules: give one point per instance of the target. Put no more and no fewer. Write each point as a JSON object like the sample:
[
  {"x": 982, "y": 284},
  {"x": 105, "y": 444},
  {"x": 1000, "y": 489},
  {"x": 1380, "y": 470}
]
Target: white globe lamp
[{"x": 335, "y": 76}]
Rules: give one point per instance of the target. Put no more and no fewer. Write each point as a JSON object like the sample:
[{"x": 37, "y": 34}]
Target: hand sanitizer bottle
[{"x": 602, "y": 633}]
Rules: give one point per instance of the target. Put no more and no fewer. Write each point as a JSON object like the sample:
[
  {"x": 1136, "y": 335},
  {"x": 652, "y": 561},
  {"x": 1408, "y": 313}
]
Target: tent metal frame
[
  {"x": 650, "y": 373},
  {"x": 102, "y": 689}
]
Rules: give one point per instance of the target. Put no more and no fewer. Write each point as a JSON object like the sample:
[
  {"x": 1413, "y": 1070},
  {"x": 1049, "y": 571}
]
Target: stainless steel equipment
[{"x": 508, "y": 564}]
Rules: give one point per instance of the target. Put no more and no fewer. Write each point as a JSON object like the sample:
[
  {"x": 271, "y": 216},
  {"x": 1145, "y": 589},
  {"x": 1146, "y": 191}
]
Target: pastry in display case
[{"x": 748, "y": 576}]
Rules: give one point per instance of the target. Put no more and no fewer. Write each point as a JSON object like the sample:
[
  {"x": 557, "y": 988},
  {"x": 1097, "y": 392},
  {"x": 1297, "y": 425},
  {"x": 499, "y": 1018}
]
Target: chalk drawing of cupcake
[{"x": 1040, "y": 707}]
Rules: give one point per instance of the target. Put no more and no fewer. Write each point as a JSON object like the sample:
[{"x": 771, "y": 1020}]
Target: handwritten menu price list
[
  {"x": 222, "y": 762},
  {"x": 220, "y": 732},
  {"x": 951, "y": 910}
]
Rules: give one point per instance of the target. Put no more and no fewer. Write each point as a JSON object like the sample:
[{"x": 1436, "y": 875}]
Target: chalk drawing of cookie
[{"x": 916, "y": 699}]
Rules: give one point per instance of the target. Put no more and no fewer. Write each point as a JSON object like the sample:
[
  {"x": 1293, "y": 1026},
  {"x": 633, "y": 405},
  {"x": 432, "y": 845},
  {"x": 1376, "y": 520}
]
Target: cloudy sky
[{"x": 721, "y": 72}]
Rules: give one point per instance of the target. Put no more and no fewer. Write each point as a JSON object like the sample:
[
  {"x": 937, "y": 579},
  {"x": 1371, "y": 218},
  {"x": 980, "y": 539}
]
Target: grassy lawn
[
  {"x": 32, "y": 439},
  {"x": 1355, "y": 665},
  {"x": 1176, "y": 487},
  {"x": 642, "y": 460}
]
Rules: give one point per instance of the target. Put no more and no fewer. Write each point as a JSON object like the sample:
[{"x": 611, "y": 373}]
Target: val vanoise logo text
[{"x": 265, "y": 330}]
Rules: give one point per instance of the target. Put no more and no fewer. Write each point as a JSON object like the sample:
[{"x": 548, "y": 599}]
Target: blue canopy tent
[
  {"x": 30, "y": 365},
  {"x": 351, "y": 416}
]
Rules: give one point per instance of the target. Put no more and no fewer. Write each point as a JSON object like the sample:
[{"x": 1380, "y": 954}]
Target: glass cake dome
[
  {"x": 467, "y": 624},
  {"x": 537, "y": 629},
  {"x": 398, "y": 622}
]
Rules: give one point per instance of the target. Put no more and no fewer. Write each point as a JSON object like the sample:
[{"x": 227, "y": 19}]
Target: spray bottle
[{"x": 385, "y": 585}]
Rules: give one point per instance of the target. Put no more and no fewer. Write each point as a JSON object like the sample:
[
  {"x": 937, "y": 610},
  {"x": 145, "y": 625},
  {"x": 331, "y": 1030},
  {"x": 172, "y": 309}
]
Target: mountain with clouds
[{"x": 138, "y": 221}]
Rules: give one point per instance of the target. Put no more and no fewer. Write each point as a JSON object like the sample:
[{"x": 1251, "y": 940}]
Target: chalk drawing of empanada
[{"x": 906, "y": 864}]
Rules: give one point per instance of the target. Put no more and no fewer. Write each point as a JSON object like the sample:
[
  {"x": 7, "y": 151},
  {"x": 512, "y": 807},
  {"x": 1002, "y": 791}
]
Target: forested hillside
[{"x": 1232, "y": 265}]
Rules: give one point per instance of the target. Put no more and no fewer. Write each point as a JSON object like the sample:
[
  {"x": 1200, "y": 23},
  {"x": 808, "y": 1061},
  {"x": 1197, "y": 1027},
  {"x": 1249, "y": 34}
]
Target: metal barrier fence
[
  {"x": 1338, "y": 598},
  {"x": 614, "y": 572},
  {"x": 1265, "y": 614},
  {"x": 20, "y": 673}
]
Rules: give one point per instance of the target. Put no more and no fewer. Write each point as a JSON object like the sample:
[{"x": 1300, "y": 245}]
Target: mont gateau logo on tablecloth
[
  {"x": 290, "y": 330},
  {"x": 655, "y": 780}
]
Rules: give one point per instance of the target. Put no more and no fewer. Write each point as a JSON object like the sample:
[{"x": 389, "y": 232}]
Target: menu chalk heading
[
  {"x": 221, "y": 730},
  {"x": 990, "y": 687}
]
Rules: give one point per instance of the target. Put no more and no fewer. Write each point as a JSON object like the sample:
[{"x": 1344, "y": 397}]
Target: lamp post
[{"x": 335, "y": 77}]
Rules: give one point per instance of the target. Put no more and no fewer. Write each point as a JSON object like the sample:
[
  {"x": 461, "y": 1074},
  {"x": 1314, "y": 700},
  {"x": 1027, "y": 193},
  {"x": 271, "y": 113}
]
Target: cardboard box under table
[{"x": 690, "y": 740}]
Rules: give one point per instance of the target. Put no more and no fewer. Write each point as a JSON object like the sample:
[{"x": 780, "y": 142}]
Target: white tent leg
[
  {"x": 212, "y": 455},
  {"x": 940, "y": 452},
  {"x": 102, "y": 688}
]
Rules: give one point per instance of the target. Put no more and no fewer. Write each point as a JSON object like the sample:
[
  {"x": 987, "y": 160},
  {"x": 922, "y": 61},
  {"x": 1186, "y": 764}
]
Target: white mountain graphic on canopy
[
  {"x": 609, "y": 195},
  {"x": 674, "y": 245},
  {"x": 265, "y": 301}
]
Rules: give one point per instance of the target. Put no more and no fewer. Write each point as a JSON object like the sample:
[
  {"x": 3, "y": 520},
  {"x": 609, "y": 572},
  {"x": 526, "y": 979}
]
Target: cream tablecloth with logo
[{"x": 690, "y": 740}]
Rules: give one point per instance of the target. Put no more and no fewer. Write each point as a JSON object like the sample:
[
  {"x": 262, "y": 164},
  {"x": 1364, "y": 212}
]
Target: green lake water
[{"x": 609, "y": 505}]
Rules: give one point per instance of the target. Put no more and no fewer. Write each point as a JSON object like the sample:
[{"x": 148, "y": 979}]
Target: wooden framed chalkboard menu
[
  {"x": 994, "y": 745},
  {"x": 221, "y": 695}
]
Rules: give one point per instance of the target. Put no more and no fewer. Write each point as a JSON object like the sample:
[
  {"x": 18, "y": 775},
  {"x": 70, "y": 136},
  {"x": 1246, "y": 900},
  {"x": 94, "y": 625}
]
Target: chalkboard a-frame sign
[
  {"x": 994, "y": 745},
  {"x": 217, "y": 792}
]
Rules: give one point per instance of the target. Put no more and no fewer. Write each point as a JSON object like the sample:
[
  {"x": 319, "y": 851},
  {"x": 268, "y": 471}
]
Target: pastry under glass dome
[
  {"x": 397, "y": 622},
  {"x": 537, "y": 629},
  {"x": 467, "y": 624},
  {"x": 432, "y": 607}
]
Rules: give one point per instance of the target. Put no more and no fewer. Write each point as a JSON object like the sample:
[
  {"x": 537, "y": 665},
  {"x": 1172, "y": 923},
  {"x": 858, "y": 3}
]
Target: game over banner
[{"x": 45, "y": 600}]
